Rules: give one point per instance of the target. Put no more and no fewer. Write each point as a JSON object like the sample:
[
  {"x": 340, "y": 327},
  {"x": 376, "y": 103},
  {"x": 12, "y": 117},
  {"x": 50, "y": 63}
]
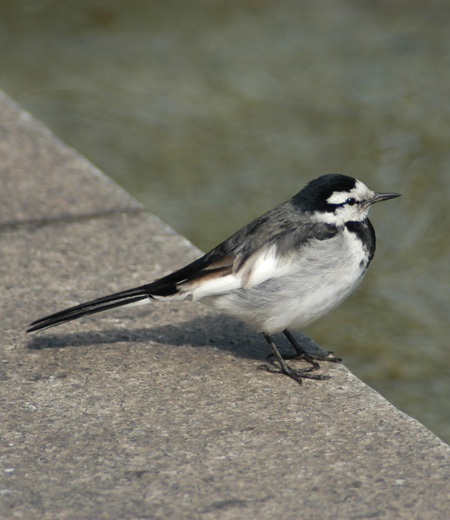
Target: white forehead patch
[{"x": 359, "y": 192}]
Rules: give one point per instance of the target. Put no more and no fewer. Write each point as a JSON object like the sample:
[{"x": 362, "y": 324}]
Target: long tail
[
  {"x": 176, "y": 285},
  {"x": 165, "y": 287},
  {"x": 128, "y": 297}
]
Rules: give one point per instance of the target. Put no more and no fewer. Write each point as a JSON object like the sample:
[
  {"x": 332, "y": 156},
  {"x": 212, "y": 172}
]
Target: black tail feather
[
  {"x": 84, "y": 309},
  {"x": 163, "y": 287}
]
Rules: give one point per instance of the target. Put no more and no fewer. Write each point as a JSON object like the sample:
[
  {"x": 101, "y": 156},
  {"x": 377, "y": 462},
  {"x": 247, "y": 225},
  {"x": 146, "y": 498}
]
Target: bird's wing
[{"x": 259, "y": 251}]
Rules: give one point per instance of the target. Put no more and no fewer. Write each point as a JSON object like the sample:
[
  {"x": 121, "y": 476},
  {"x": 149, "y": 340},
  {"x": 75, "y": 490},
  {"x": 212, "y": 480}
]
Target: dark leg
[
  {"x": 311, "y": 358},
  {"x": 301, "y": 353},
  {"x": 296, "y": 374}
]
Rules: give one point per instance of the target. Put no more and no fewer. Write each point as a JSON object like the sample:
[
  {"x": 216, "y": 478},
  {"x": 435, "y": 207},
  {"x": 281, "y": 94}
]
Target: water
[{"x": 212, "y": 112}]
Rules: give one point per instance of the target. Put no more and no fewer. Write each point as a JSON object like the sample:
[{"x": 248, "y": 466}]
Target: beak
[{"x": 383, "y": 196}]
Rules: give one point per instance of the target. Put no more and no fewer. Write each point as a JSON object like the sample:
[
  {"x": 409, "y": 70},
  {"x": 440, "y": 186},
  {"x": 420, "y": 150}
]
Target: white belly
[{"x": 323, "y": 274}]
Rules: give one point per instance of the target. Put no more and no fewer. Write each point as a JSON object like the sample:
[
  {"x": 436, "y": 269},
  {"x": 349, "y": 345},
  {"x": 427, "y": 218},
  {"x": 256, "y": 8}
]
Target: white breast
[{"x": 320, "y": 276}]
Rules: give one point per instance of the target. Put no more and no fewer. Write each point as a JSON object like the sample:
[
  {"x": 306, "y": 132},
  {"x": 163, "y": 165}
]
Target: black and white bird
[{"x": 286, "y": 269}]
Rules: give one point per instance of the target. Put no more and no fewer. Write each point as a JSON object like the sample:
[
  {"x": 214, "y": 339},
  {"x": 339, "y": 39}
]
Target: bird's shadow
[
  {"x": 217, "y": 331},
  {"x": 211, "y": 330}
]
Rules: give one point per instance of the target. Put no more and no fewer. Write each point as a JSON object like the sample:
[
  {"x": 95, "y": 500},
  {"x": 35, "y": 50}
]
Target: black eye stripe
[{"x": 349, "y": 202}]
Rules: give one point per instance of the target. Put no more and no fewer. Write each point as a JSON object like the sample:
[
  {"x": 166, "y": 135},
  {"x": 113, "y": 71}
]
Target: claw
[
  {"x": 311, "y": 358},
  {"x": 295, "y": 374}
]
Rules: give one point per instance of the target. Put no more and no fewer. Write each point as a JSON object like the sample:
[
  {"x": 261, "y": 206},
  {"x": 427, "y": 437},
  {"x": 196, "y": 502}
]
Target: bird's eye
[{"x": 350, "y": 202}]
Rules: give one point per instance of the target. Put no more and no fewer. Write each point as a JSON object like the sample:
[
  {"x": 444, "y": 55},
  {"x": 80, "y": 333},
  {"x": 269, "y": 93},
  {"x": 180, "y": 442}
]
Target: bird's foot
[
  {"x": 298, "y": 374},
  {"x": 313, "y": 358},
  {"x": 298, "y": 356},
  {"x": 328, "y": 355},
  {"x": 302, "y": 353}
]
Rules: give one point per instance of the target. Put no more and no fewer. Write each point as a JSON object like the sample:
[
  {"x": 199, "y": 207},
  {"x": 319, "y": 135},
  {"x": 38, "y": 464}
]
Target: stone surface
[{"x": 160, "y": 411}]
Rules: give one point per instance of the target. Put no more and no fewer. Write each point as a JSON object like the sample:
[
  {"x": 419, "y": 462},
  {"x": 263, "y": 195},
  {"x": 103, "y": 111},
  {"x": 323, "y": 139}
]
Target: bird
[{"x": 282, "y": 271}]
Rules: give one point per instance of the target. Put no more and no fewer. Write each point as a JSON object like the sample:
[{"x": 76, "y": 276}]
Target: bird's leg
[
  {"x": 296, "y": 374},
  {"x": 301, "y": 353},
  {"x": 311, "y": 358}
]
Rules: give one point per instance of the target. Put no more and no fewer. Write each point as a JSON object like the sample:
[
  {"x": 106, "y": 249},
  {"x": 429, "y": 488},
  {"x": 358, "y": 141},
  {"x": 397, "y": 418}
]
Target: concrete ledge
[{"x": 159, "y": 411}]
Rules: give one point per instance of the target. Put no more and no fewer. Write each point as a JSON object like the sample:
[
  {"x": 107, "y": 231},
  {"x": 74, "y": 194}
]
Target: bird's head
[{"x": 336, "y": 199}]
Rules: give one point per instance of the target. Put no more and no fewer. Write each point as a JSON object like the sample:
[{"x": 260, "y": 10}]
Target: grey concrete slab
[
  {"x": 160, "y": 411},
  {"x": 41, "y": 178}
]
